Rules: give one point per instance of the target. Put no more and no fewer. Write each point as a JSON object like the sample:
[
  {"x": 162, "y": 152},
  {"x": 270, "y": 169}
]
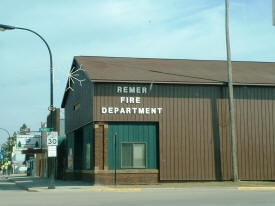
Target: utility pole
[
  {"x": 231, "y": 95},
  {"x": 115, "y": 142}
]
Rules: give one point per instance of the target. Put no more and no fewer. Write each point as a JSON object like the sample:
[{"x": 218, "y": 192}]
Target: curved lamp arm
[
  {"x": 8, "y": 27},
  {"x": 50, "y": 53},
  {"x": 5, "y": 131}
]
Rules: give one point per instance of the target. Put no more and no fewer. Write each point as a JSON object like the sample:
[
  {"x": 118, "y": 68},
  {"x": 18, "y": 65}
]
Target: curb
[
  {"x": 114, "y": 190},
  {"x": 256, "y": 188},
  {"x": 32, "y": 190}
]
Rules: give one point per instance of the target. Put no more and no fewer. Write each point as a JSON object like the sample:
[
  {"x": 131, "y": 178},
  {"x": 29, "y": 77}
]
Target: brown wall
[
  {"x": 75, "y": 119},
  {"x": 255, "y": 119},
  {"x": 56, "y": 120},
  {"x": 194, "y": 129},
  {"x": 123, "y": 177},
  {"x": 101, "y": 147}
]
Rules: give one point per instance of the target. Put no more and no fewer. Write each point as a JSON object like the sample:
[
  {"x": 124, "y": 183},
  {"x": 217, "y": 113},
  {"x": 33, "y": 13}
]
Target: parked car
[{"x": 22, "y": 169}]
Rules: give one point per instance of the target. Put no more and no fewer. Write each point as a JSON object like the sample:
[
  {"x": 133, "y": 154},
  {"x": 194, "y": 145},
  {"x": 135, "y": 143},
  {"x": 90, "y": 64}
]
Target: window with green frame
[{"x": 133, "y": 155}]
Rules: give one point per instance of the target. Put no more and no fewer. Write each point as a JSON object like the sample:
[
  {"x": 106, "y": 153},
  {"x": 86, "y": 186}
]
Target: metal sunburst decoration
[{"x": 74, "y": 76}]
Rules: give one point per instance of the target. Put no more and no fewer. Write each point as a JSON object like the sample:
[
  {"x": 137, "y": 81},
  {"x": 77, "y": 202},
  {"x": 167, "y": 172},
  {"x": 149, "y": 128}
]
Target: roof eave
[
  {"x": 154, "y": 82},
  {"x": 64, "y": 99},
  {"x": 181, "y": 82}
]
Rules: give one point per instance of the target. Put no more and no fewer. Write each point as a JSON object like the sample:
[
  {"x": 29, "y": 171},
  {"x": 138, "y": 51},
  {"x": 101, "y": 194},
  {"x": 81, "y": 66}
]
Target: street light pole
[
  {"x": 273, "y": 12},
  {"x": 51, "y": 107},
  {"x": 231, "y": 96}
]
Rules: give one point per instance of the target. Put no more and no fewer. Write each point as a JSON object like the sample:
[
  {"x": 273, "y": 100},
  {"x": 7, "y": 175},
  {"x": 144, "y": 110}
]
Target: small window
[
  {"x": 76, "y": 106},
  {"x": 133, "y": 155}
]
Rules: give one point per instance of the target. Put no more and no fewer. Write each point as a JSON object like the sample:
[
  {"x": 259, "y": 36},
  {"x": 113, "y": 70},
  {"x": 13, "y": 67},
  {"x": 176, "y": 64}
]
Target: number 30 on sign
[{"x": 52, "y": 139}]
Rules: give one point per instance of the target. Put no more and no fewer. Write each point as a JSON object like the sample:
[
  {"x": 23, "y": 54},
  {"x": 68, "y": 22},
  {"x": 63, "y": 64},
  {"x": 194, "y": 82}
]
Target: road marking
[
  {"x": 256, "y": 188},
  {"x": 113, "y": 190}
]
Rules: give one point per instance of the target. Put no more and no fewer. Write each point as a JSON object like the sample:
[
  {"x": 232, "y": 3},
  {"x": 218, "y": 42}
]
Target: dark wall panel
[
  {"x": 70, "y": 145},
  {"x": 74, "y": 119},
  {"x": 88, "y": 147}
]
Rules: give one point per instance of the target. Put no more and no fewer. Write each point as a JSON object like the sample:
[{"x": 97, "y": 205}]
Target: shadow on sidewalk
[{"x": 25, "y": 182}]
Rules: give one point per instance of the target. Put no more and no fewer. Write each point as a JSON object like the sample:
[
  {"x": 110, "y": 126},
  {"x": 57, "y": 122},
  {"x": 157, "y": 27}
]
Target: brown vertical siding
[
  {"x": 99, "y": 147},
  {"x": 194, "y": 129},
  {"x": 105, "y": 149},
  {"x": 56, "y": 120},
  {"x": 272, "y": 133},
  {"x": 224, "y": 128},
  {"x": 255, "y": 132}
]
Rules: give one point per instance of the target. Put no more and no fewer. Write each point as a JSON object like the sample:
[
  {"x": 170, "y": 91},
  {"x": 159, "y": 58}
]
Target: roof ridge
[{"x": 217, "y": 60}]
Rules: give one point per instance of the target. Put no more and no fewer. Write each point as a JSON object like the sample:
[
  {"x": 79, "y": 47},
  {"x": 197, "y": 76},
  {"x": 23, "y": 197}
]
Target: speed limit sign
[{"x": 52, "y": 139}]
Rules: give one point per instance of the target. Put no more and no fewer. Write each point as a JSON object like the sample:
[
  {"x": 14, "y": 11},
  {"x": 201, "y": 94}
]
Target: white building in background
[{"x": 18, "y": 162}]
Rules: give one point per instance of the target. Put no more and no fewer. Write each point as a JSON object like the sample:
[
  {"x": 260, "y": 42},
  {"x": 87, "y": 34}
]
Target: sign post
[{"x": 52, "y": 142}]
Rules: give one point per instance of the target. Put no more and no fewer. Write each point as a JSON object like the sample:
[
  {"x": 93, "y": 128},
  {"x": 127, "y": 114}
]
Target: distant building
[
  {"x": 137, "y": 120},
  {"x": 18, "y": 160},
  {"x": 42, "y": 158}
]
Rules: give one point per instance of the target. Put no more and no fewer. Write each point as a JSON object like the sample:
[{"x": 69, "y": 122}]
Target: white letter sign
[{"x": 52, "y": 139}]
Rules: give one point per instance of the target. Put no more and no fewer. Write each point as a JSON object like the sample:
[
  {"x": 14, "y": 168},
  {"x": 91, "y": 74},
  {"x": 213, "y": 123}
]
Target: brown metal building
[{"x": 137, "y": 120}]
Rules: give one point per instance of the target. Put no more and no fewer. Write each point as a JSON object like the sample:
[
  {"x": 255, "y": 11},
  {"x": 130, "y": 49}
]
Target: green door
[{"x": 136, "y": 146}]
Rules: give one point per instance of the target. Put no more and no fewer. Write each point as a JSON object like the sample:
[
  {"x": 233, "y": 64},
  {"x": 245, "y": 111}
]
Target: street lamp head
[{"x": 6, "y": 27}]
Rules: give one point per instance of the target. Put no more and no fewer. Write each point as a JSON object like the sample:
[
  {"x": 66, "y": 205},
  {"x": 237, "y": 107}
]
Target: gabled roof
[
  {"x": 175, "y": 71},
  {"x": 112, "y": 69}
]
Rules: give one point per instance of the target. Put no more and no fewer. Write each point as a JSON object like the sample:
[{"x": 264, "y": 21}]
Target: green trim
[{"x": 138, "y": 132}]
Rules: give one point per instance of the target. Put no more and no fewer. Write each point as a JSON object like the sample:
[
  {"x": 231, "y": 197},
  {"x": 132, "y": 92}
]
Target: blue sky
[{"x": 182, "y": 29}]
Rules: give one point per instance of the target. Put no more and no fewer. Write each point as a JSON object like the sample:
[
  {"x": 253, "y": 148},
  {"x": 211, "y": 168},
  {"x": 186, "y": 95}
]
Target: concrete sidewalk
[{"x": 37, "y": 184}]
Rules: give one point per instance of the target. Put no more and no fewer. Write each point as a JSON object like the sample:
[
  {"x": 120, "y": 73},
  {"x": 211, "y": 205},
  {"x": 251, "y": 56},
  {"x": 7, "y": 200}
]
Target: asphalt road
[{"x": 11, "y": 195}]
